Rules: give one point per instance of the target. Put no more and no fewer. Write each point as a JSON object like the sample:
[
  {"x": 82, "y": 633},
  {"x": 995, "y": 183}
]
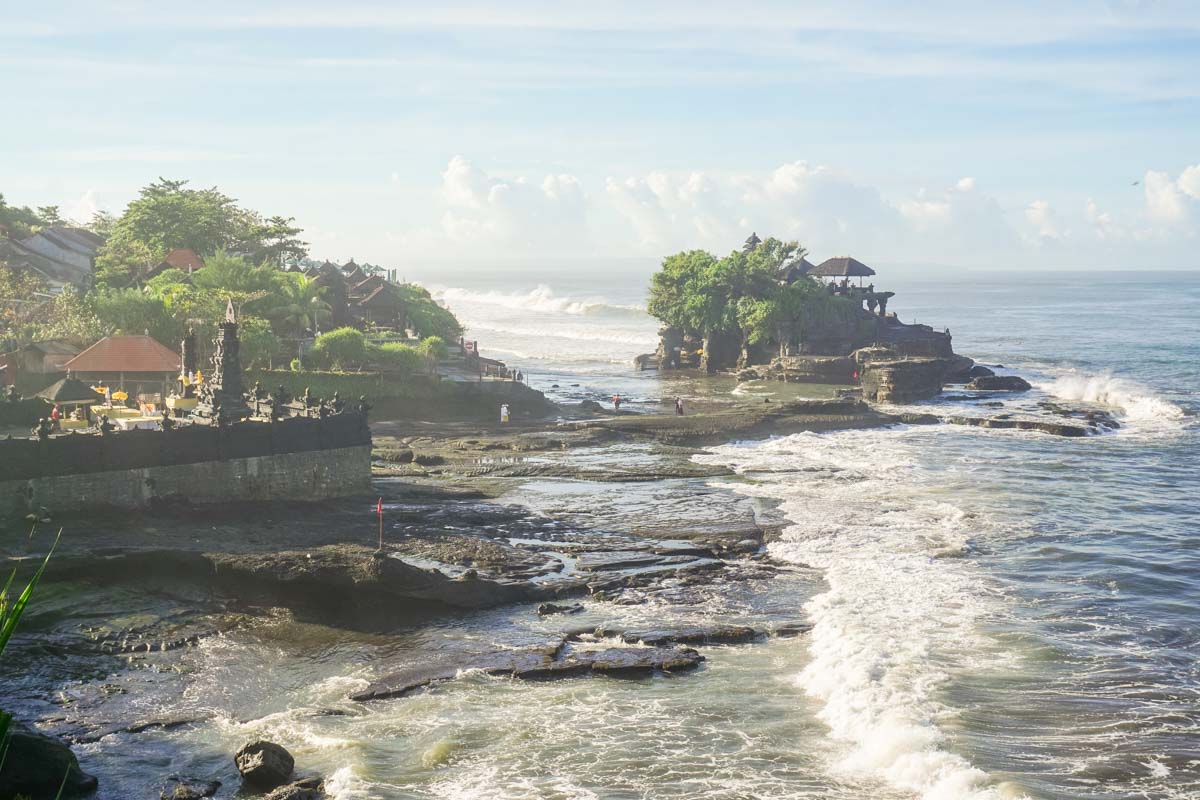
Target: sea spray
[
  {"x": 1135, "y": 402},
  {"x": 897, "y": 621}
]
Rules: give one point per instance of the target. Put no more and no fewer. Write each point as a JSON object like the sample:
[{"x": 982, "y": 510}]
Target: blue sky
[{"x": 963, "y": 134}]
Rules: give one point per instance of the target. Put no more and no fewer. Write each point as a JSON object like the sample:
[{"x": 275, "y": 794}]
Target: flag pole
[{"x": 379, "y": 508}]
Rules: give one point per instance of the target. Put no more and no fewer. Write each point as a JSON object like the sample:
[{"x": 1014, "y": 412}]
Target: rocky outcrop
[
  {"x": 303, "y": 789},
  {"x": 805, "y": 369},
  {"x": 540, "y": 662},
  {"x": 177, "y": 788},
  {"x": 903, "y": 380},
  {"x": 1056, "y": 428},
  {"x": 35, "y": 764},
  {"x": 264, "y": 765},
  {"x": 999, "y": 383}
]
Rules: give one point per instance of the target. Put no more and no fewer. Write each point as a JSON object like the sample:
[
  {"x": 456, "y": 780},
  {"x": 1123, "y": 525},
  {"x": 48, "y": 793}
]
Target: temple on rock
[{"x": 829, "y": 324}]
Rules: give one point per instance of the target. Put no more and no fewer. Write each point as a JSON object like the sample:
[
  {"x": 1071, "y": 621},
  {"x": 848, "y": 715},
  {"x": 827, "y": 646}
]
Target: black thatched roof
[
  {"x": 68, "y": 390},
  {"x": 842, "y": 266},
  {"x": 797, "y": 269}
]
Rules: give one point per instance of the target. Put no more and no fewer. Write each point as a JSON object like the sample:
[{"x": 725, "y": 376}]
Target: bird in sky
[{"x": 1135, "y": 183}]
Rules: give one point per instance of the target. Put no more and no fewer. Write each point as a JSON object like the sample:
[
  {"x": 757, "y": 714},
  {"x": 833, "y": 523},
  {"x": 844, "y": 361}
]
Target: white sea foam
[
  {"x": 899, "y": 620},
  {"x": 541, "y": 299},
  {"x": 1134, "y": 401}
]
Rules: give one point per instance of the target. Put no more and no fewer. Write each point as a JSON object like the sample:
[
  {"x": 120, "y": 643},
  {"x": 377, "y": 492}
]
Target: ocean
[{"x": 1006, "y": 614}]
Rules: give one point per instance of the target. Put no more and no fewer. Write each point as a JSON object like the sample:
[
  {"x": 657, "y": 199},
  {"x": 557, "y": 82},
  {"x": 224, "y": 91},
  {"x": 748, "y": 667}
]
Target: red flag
[{"x": 379, "y": 507}]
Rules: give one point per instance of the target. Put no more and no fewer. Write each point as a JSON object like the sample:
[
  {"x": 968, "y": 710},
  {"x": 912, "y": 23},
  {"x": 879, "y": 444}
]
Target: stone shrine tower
[{"x": 222, "y": 397}]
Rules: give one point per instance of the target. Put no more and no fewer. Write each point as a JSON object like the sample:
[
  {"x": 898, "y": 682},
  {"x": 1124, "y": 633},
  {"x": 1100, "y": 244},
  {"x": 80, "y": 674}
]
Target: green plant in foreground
[{"x": 10, "y": 614}]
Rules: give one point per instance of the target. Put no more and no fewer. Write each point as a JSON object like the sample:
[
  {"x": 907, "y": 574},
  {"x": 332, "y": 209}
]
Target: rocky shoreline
[{"x": 454, "y": 543}]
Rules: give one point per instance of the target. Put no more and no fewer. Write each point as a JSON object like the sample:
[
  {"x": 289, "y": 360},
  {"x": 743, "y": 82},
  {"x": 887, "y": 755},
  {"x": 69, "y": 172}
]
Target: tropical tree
[{"x": 297, "y": 305}]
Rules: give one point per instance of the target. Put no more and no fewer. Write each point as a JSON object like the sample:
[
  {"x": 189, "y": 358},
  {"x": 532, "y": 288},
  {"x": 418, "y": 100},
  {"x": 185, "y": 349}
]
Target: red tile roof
[
  {"x": 184, "y": 259},
  {"x": 125, "y": 354}
]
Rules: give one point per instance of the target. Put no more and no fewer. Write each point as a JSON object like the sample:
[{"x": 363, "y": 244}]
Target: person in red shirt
[{"x": 55, "y": 416}]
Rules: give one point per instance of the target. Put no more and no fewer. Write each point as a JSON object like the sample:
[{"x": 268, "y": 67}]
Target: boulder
[
  {"x": 35, "y": 764},
  {"x": 264, "y": 765},
  {"x": 999, "y": 383},
  {"x": 304, "y": 789},
  {"x": 177, "y": 788},
  {"x": 546, "y": 609},
  {"x": 980, "y": 371},
  {"x": 591, "y": 405}
]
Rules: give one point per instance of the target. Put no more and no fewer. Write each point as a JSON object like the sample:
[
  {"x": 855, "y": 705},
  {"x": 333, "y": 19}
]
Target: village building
[
  {"x": 55, "y": 274},
  {"x": 382, "y": 308},
  {"x": 33, "y": 366},
  {"x": 73, "y": 250},
  {"x": 183, "y": 259},
  {"x": 138, "y": 365}
]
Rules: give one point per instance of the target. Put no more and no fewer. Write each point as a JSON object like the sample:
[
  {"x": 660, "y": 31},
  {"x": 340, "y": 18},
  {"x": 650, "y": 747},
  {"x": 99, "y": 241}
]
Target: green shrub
[
  {"x": 344, "y": 348},
  {"x": 397, "y": 357}
]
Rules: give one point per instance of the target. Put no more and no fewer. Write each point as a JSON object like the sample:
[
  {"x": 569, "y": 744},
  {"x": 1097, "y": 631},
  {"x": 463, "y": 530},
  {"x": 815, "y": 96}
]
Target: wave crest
[
  {"x": 542, "y": 299},
  {"x": 1136, "y": 402}
]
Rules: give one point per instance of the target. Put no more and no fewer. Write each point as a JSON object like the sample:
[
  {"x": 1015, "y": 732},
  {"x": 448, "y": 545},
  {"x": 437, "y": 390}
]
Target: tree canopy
[
  {"x": 169, "y": 215},
  {"x": 699, "y": 294}
]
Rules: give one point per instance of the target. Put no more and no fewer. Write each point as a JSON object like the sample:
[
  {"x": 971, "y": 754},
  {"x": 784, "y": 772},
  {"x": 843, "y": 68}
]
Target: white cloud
[
  {"x": 1165, "y": 203},
  {"x": 1043, "y": 219},
  {"x": 517, "y": 213},
  {"x": 1189, "y": 181},
  {"x": 829, "y": 211}
]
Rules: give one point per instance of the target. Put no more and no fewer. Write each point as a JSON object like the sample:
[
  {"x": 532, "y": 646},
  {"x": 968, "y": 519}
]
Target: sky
[{"x": 1059, "y": 135}]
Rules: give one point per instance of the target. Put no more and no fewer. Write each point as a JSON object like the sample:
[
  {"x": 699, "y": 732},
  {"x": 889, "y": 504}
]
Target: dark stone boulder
[
  {"x": 1006, "y": 423},
  {"x": 178, "y": 788},
  {"x": 304, "y": 789},
  {"x": 724, "y": 634},
  {"x": 629, "y": 661},
  {"x": 591, "y": 405},
  {"x": 541, "y": 662},
  {"x": 980, "y": 371},
  {"x": 264, "y": 765},
  {"x": 999, "y": 383},
  {"x": 546, "y": 609},
  {"x": 35, "y": 765}
]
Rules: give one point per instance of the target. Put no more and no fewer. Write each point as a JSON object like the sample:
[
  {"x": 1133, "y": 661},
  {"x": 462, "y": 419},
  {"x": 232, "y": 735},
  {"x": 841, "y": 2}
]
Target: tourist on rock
[
  {"x": 616, "y": 402},
  {"x": 504, "y": 412},
  {"x": 679, "y": 406}
]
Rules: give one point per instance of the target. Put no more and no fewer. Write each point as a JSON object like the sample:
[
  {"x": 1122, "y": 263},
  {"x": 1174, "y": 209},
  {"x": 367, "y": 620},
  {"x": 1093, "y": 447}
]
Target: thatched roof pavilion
[{"x": 841, "y": 267}]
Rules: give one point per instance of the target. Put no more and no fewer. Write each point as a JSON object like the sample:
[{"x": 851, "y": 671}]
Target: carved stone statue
[{"x": 751, "y": 242}]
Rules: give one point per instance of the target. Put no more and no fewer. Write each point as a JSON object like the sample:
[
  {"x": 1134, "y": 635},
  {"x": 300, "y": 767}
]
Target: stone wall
[{"x": 308, "y": 475}]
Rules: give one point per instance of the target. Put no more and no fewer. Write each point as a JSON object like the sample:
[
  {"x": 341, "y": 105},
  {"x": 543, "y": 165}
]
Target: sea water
[{"x": 1007, "y": 613}]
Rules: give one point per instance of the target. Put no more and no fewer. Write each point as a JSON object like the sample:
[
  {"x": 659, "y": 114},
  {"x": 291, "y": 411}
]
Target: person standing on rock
[
  {"x": 679, "y": 406},
  {"x": 504, "y": 413},
  {"x": 616, "y": 402}
]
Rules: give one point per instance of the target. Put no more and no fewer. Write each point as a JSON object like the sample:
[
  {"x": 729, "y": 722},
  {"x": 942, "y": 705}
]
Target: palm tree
[{"x": 300, "y": 305}]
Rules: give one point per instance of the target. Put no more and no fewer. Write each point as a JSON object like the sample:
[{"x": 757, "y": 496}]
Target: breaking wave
[
  {"x": 1134, "y": 401},
  {"x": 903, "y": 610},
  {"x": 541, "y": 299}
]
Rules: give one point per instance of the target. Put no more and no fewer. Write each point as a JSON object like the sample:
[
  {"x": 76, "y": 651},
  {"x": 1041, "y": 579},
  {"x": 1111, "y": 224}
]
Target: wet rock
[
  {"x": 542, "y": 662},
  {"x": 591, "y": 405},
  {"x": 1055, "y": 428},
  {"x": 35, "y": 764},
  {"x": 724, "y": 634},
  {"x": 547, "y": 609},
  {"x": 304, "y": 789},
  {"x": 616, "y": 560},
  {"x": 428, "y": 460},
  {"x": 264, "y": 765},
  {"x": 912, "y": 418},
  {"x": 1000, "y": 383},
  {"x": 177, "y": 788},
  {"x": 630, "y": 661},
  {"x": 791, "y": 630},
  {"x": 980, "y": 371}
]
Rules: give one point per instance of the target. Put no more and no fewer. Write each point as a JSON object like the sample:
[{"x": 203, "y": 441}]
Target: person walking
[
  {"x": 679, "y": 406},
  {"x": 616, "y": 402},
  {"x": 55, "y": 417}
]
